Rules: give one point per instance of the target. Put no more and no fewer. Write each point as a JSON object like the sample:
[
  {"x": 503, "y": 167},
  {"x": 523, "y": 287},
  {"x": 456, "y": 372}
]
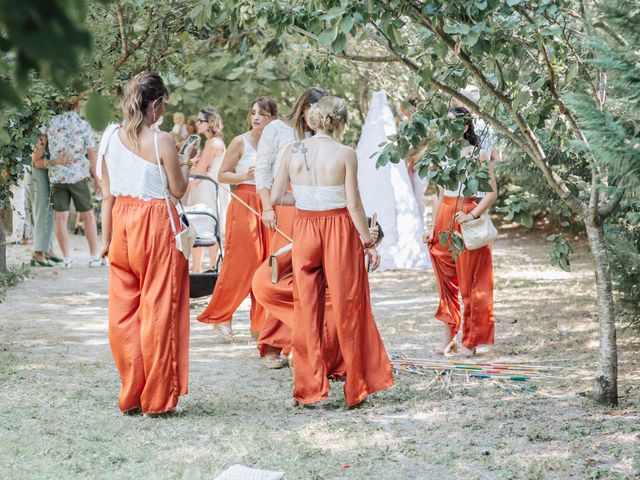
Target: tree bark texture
[
  {"x": 607, "y": 377},
  {"x": 3, "y": 241}
]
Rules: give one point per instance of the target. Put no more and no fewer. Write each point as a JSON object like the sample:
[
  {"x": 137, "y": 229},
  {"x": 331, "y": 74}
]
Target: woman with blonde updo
[
  {"x": 330, "y": 239},
  {"x": 148, "y": 276},
  {"x": 207, "y": 162}
]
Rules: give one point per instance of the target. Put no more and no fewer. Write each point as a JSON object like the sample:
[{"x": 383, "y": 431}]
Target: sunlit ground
[{"x": 58, "y": 414}]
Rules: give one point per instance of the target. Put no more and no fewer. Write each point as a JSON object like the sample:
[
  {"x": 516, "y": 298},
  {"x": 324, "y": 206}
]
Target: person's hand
[
  {"x": 269, "y": 218},
  {"x": 104, "y": 251},
  {"x": 374, "y": 258},
  {"x": 62, "y": 160},
  {"x": 250, "y": 175},
  {"x": 428, "y": 236},
  {"x": 463, "y": 218},
  {"x": 375, "y": 233},
  {"x": 97, "y": 185}
]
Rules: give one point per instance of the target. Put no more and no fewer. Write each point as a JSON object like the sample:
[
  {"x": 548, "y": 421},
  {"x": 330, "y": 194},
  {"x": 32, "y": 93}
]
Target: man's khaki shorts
[{"x": 63, "y": 193}]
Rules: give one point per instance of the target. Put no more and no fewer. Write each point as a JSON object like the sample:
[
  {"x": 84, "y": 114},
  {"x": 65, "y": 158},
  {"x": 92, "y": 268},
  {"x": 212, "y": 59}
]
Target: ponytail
[{"x": 141, "y": 91}]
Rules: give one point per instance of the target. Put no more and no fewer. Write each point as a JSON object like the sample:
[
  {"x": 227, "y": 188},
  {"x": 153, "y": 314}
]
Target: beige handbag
[
  {"x": 479, "y": 232},
  {"x": 186, "y": 237}
]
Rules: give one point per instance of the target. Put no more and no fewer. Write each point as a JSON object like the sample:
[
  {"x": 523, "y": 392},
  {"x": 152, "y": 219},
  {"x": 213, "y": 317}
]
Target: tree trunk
[
  {"x": 3, "y": 243},
  {"x": 607, "y": 378}
]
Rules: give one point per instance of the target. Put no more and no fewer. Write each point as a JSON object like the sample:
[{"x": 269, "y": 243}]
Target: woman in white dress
[{"x": 201, "y": 192}]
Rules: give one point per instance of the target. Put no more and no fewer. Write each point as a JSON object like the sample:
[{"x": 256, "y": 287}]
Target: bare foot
[
  {"x": 467, "y": 352},
  {"x": 449, "y": 344}
]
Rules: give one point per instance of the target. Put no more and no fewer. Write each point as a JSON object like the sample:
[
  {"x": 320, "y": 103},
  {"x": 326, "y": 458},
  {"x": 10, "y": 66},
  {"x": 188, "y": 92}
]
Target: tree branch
[
  {"x": 607, "y": 28},
  {"x": 143, "y": 37},
  {"x": 606, "y": 209},
  {"x": 124, "y": 45},
  {"x": 531, "y": 145},
  {"x": 369, "y": 59}
]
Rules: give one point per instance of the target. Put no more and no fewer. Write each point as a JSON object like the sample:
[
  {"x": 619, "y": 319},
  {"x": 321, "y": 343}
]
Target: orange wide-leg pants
[
  {"x": 246, "y": 247},
  {"x": 275, "y": 332},
  {"x": 327, "y": 252},
  {"x": 148, "y": 306},
  {"x": 277, "y": 299},
  {"x": 471, "y": 274}
]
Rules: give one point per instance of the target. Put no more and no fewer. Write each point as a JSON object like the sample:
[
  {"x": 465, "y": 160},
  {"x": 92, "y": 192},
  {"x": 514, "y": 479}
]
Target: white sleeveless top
[
  {"x": 316, "y": 197},
  {"x": 248, "y": 160},
  {"x": 466, "y": 151},
  {"x": 129, "y": 174}
]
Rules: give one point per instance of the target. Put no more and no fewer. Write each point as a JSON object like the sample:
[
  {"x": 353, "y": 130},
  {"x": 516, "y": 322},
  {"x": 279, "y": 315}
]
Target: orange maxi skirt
[
  {"x": 471, "y": 274},
  {"x": 246, "y": 247},
  {"x": 148, "y": 306},
  {"x": 327, "y": 252}
]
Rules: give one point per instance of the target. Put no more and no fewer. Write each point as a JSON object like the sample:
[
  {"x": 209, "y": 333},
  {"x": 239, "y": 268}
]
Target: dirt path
[{"x": 58, "y": 417}]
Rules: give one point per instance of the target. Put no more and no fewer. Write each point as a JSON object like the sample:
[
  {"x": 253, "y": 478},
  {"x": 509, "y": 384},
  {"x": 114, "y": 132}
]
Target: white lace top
[
  {"x": 129, "y": 174},
  {"x": 275, "y": 138},
  {"x": 247, "y": 160},
  {"x": 316, "y": 197}
]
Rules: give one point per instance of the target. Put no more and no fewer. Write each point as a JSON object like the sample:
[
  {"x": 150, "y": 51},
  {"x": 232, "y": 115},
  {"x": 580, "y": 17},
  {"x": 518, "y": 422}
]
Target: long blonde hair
[
  {"x": 141, "y": 91},
  {"x": 329, "y": 114},
  {"x": 296, "y": 117}
]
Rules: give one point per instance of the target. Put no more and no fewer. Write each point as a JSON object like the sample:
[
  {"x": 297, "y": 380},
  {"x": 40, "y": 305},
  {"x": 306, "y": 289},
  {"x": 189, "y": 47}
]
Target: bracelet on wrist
[
  {"x": 369, "y": 244},
  {"x": 187, "y": 163}
]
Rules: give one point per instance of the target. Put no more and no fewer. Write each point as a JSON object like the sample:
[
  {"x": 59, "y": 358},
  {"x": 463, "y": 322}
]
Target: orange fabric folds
[
  {"x": 327, "y": 252},
  {"x": 277, "y": 299},
  {"x": 471, "y": 274},
  {"x": 148, "y": 306},
  {"x": 245, "y": 248}
]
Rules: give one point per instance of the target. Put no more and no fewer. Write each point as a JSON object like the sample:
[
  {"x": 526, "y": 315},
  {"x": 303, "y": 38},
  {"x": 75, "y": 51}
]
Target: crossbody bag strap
[{"x": 165, "y": 185}]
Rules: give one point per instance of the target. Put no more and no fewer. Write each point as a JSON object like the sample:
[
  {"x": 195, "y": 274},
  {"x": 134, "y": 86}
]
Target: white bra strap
[{"x": 165, "y": 185}]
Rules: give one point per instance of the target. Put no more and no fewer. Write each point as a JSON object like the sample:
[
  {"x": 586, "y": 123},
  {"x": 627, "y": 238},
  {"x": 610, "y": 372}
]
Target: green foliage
[
  {"x": 46, "y": 37},
  {"x": 561, "y": 252},
  {"x": 11, "y": 278},
  {"x": 517, "y": 209}
]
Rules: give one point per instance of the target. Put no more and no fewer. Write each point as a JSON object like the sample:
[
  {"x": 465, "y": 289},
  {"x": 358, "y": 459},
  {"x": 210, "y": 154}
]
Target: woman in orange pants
[
  {"x": 148, "y": 276},
  {"x": 246, "y": 238},
  {"x": 276, "y": 137},
  {"x": 328, "y": 237},
  {"x": 471, "y": 272}
]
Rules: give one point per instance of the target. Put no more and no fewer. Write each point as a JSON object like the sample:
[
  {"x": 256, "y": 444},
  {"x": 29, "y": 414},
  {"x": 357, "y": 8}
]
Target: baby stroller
[{"x": 207, "y": 225}]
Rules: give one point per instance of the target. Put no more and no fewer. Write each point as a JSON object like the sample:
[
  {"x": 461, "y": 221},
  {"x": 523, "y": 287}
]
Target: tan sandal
[
  {"x": 273, "y": 362},
  {"x": 223, "y": 331}
]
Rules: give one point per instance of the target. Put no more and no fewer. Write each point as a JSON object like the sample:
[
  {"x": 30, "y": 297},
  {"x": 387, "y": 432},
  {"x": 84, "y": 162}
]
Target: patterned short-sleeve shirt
[{"x": 70, "y": 135}]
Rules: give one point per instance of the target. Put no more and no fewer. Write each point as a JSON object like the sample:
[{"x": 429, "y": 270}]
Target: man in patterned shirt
[{"x": 69, "y": 135}]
